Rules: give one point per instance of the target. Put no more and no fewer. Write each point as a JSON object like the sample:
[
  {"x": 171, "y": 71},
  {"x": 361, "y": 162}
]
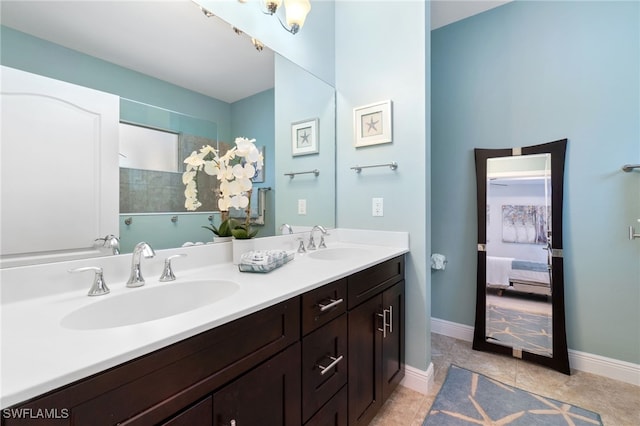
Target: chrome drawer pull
[
  {"x": 335, "y": 361},
  {"x": 386, "y": 324},
  {"x": 330, "y": 305}
]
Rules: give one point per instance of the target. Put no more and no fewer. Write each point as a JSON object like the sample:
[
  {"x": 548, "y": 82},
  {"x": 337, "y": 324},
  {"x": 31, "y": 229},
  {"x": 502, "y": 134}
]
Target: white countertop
[{"x": 38, "y": 354}]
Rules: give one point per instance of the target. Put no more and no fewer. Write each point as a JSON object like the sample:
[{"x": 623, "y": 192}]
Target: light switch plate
[{"x": 377, "y": 206}]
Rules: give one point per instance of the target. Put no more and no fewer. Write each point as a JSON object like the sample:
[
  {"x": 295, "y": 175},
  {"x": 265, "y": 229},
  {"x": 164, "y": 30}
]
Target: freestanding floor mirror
[{"x": 520, "y": 284}]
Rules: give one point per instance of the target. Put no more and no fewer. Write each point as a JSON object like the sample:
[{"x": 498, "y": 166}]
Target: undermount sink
[
  {"x": 148, "y": 304},
  {"x": 338, "y": 253}
]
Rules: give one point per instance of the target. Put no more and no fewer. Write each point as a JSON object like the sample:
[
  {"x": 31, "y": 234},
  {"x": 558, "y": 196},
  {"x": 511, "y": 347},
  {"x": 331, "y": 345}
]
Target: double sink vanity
[{"x": 319, "y": 340}]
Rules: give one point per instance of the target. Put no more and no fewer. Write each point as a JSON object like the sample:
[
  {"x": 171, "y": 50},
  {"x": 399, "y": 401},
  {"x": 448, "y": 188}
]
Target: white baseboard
[
  {"x": 608, "y": 367},
  {"x": 590, "y": 363},
  {"x": 419, "y": 380},
  {"x": 452, "y": 329}
]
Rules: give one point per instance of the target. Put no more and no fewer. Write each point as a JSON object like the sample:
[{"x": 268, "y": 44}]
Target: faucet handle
[
  {"x": 111, "y": 242},
  {"x": 301, "y": 248},
  {"x": 322, "y": 243},
  {"x": 167, "y": 273},
  {"x": 312, "y": 243},
  {"x": 99, "y": 286}
]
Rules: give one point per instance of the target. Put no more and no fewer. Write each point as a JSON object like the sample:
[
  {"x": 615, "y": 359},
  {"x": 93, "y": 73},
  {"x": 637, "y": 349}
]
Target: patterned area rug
[
  {"x": 516, "y": 329},
  {"x": 469, "y": 398}
]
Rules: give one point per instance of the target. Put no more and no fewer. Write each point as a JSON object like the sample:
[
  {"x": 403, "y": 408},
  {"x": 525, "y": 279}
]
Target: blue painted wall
[
  {"x": 253, "y": 117},
  {"x": 532, "y": 72},
  {"x": 301, "y": 96},
  {"x": 382, "y": 52}
]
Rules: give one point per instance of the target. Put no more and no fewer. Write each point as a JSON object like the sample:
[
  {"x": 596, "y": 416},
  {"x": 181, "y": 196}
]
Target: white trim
[
  {"x": 452, "y": 329},
  {"x": 608, "y": 367},
  {"x": 419, "y": 380},
  {"x": 590, "y": 363}
]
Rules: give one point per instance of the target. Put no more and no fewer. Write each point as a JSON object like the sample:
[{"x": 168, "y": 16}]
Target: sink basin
[
  {"x": 338, "y": 253},
  {"x": 148, "y": 304}
]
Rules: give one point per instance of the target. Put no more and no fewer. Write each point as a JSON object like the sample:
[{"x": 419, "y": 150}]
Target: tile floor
[{"x": 618, "y": 403}]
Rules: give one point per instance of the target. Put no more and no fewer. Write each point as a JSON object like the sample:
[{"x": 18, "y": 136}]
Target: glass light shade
[{"x": 296, "y": 11}]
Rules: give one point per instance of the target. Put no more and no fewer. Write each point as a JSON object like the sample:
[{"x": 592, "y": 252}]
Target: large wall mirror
[
  {"x": 520, "y": 285},
  {"x": 173, "y": 47}
]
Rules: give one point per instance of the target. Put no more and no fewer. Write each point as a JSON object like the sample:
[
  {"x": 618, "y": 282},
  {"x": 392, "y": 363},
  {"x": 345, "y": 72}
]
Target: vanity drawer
[
  {"x": 198, "y": 415},
  {"x": 324, "y": 365},
  {"x": 334, "y": 412},
  {"x": 365, "y": 284},
  {"x": 323, "y": 304}
]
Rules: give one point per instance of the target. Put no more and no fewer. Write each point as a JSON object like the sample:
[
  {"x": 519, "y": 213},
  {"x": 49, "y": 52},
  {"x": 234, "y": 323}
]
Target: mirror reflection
[
  {"x": 189, "y": 78},
  {"x": 518, "y": 202},
  {"x": 520, "y": 283}
]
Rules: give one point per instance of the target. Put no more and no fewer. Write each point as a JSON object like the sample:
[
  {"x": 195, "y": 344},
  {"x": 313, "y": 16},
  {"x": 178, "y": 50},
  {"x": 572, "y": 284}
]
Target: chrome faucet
[
  {"x": 286, "y": 226},
  {"x": 312, "y": 244},
  {"x": 141, "y": 249},
  {"x": 110, "y": 241}
]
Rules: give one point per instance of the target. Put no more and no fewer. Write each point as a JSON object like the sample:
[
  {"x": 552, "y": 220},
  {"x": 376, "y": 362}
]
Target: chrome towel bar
[
  {"x": 393, "y": 165},
  {"x": 316, "y": 172}
]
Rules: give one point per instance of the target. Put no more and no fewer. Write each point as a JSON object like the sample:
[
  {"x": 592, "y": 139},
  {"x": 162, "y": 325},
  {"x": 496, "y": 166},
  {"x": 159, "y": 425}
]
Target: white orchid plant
[{"x": 234, "y": 171}]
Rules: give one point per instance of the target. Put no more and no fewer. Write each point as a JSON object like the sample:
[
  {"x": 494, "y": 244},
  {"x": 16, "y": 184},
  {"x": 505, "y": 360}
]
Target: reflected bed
[{"x": 519, "y": 275}]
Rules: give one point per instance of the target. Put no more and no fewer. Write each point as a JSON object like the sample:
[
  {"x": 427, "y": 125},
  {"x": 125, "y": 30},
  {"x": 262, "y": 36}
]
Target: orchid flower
[{"x": 234, "y": 171}]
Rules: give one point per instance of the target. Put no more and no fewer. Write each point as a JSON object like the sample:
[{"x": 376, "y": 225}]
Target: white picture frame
[
  {"x": 372, "y": 124},
  {"x": 304, "y": 137}
]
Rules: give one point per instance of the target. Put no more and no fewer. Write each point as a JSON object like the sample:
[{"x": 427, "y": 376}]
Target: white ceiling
[
  {"x": 445, "y": 12},
  {"x": 172, "y": 39}
]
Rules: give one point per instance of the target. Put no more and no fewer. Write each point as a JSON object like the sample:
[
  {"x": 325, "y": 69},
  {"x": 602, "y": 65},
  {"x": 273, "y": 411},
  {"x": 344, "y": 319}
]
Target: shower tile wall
[{"x": 149, "y": 191}]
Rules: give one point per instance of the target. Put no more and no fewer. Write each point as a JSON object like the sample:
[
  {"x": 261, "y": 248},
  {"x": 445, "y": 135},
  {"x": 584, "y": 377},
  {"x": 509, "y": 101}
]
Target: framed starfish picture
[
  {"x": 304, "y": 137},
  {"x": 372, "y": 124}
]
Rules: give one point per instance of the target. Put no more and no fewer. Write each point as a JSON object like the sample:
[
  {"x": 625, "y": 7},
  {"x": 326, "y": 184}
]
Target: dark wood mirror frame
[{"x": 560, "y": 358}]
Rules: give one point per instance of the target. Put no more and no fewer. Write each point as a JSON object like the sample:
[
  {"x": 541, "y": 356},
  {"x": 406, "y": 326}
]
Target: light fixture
[
  {"x": 207, "y": 13},
  {"x": 257, "y": 44},
  {"x": 296, "y": 12},
  {"x": 272, "y": 5}
]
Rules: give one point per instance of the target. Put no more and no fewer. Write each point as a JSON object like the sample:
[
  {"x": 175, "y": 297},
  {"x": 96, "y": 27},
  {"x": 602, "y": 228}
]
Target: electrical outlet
[
  {"x": 302, "y": 207},
  {"x": 377, "y": 206}
]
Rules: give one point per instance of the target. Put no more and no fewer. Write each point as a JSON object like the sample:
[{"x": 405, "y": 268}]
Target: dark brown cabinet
[
  {"x": 198, "y": 415},
  {"x": 334, "y": 412},
  {"x": 376, "y": 339},
  {"x": 267, "y": 395},
  {"x": 329, "y": 357},
  {"x": 393, "y": 366}
]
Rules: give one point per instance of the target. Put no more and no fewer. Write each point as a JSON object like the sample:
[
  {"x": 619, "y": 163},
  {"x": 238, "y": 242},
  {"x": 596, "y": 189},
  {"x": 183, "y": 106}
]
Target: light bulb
[{"x": 296, "y": 13}]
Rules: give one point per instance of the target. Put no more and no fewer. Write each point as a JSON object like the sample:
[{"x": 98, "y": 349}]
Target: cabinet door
[
  {"x": 365, "y": 359},
  {"x": 393, "y": 339},
  {"x": 267, "y": 395}
]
